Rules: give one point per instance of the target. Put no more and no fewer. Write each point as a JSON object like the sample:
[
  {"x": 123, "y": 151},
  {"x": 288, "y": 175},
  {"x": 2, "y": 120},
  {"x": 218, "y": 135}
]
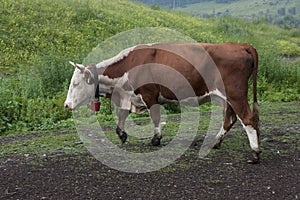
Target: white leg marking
[
  {"x": 157, "y": 130},
  {"x": 221, "y": 133},
  {"x": 252, "y": 136},
  {"x": 122, "y": 115},
  {"x": 155, "y": 116}
]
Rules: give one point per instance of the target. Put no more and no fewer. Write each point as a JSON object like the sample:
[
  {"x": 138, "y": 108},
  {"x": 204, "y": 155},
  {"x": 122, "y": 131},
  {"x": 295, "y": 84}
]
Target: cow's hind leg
[
  {"x": 250, "y": 124},
  {"x": 120, "y": 130},
  {"x": 229, "y": 119},
  {"x": 155, "y": 116}
]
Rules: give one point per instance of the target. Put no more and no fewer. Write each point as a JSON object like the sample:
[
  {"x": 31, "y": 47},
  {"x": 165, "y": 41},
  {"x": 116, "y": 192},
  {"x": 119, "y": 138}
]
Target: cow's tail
[{"x": 254, "y": 55}]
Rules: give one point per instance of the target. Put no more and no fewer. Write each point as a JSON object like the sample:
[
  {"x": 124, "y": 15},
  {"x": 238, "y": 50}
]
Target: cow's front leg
[
  {"x": 122, "y": 115},
  {"x": 155, "y": 116}
]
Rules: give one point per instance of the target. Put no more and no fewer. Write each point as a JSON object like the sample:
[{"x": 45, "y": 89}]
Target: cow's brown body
[
  {"x": 211, "y": 70},
  {"x": 235, "y": 62}
]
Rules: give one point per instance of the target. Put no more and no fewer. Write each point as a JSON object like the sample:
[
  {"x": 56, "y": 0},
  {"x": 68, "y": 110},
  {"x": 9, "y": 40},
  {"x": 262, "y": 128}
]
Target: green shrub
[
  {"x": 277, "y": 70},
  {"x": 288, "y": 48}
]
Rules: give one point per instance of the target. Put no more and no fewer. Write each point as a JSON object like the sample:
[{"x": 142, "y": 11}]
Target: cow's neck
[
  {"x": 115, "y": 70},
  {"x": 109, "y": 79}
]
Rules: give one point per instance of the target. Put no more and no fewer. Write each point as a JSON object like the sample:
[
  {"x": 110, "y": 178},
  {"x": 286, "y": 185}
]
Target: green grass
[
  {"x": 279, "y": 137},
  {"x": 47, "y": 143}
]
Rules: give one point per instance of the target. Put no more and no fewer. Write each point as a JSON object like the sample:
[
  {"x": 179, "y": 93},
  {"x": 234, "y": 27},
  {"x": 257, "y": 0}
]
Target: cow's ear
[
  {"x": 88, "y": 76},
  {"x": 78, "y": 66}
]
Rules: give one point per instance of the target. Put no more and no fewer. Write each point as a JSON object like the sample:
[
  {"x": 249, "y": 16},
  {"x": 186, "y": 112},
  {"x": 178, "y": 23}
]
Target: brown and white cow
[{"x": 142, "y": 77}]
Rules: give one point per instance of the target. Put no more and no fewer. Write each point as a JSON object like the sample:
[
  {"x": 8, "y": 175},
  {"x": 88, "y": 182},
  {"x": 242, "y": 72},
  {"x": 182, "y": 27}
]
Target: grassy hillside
[
  {"x": 39, "y": 37},
  {"x": 242, "y": 7},
  {"x": 283, "y": 12}
]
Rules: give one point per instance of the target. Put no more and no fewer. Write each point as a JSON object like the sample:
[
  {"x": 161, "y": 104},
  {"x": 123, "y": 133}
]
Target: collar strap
[{"x": 96, "y": 82}]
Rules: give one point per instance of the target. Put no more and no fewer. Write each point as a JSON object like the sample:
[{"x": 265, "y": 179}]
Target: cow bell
[{"x": 95, "y": 105}]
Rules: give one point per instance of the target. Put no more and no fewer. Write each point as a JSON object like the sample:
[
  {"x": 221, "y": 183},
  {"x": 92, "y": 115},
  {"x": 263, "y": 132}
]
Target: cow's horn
[
  {"x": 79, "y": 66},
  {"x": 72, "y": 63}
]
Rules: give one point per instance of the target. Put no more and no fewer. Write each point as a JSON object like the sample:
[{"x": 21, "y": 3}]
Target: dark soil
[
  {"x": 83, "y": 177},
  {"x": 80, "y": 176}
]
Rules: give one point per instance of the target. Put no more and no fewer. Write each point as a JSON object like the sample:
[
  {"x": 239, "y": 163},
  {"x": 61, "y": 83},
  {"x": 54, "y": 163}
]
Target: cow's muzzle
[{"x": 67, "y": 106}]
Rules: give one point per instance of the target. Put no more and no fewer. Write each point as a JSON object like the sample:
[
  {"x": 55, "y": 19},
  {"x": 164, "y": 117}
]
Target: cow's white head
[{"x": 81, "y": 89}]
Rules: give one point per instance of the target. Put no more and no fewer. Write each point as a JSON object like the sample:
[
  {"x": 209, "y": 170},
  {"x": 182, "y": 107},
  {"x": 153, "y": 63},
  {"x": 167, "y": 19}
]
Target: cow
[{"x": 143, "y": 77}]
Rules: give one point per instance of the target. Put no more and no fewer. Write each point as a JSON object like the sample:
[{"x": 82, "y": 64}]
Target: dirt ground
[
  {"x": 72, "y": 177},
  {"x": 80, "y": 176}
]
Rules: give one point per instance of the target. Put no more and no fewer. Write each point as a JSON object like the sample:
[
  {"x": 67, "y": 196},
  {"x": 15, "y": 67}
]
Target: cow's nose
[{"x": 67, "y": 106}]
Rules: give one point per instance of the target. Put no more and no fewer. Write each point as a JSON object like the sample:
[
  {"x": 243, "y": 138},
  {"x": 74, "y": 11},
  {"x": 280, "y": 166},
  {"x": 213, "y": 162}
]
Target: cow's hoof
[
  {"x": 122, "y": 134},
  {"x": 255, "y": 159},
  {"x": 218, "y": 145},
  {"x": 155, "y": 141},
  {"x": 123, "y": 137}
]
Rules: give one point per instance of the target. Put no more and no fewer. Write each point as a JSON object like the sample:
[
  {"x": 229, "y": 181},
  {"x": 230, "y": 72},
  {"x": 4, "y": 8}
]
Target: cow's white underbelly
[{"x": 194, "y": 101}]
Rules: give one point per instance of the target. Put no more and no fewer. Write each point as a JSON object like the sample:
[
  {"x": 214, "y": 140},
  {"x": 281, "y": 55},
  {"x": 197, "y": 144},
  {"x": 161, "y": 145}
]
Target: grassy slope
[
  {"x": 32, "y": 29},
  {"x": 242, "y": 8}
]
